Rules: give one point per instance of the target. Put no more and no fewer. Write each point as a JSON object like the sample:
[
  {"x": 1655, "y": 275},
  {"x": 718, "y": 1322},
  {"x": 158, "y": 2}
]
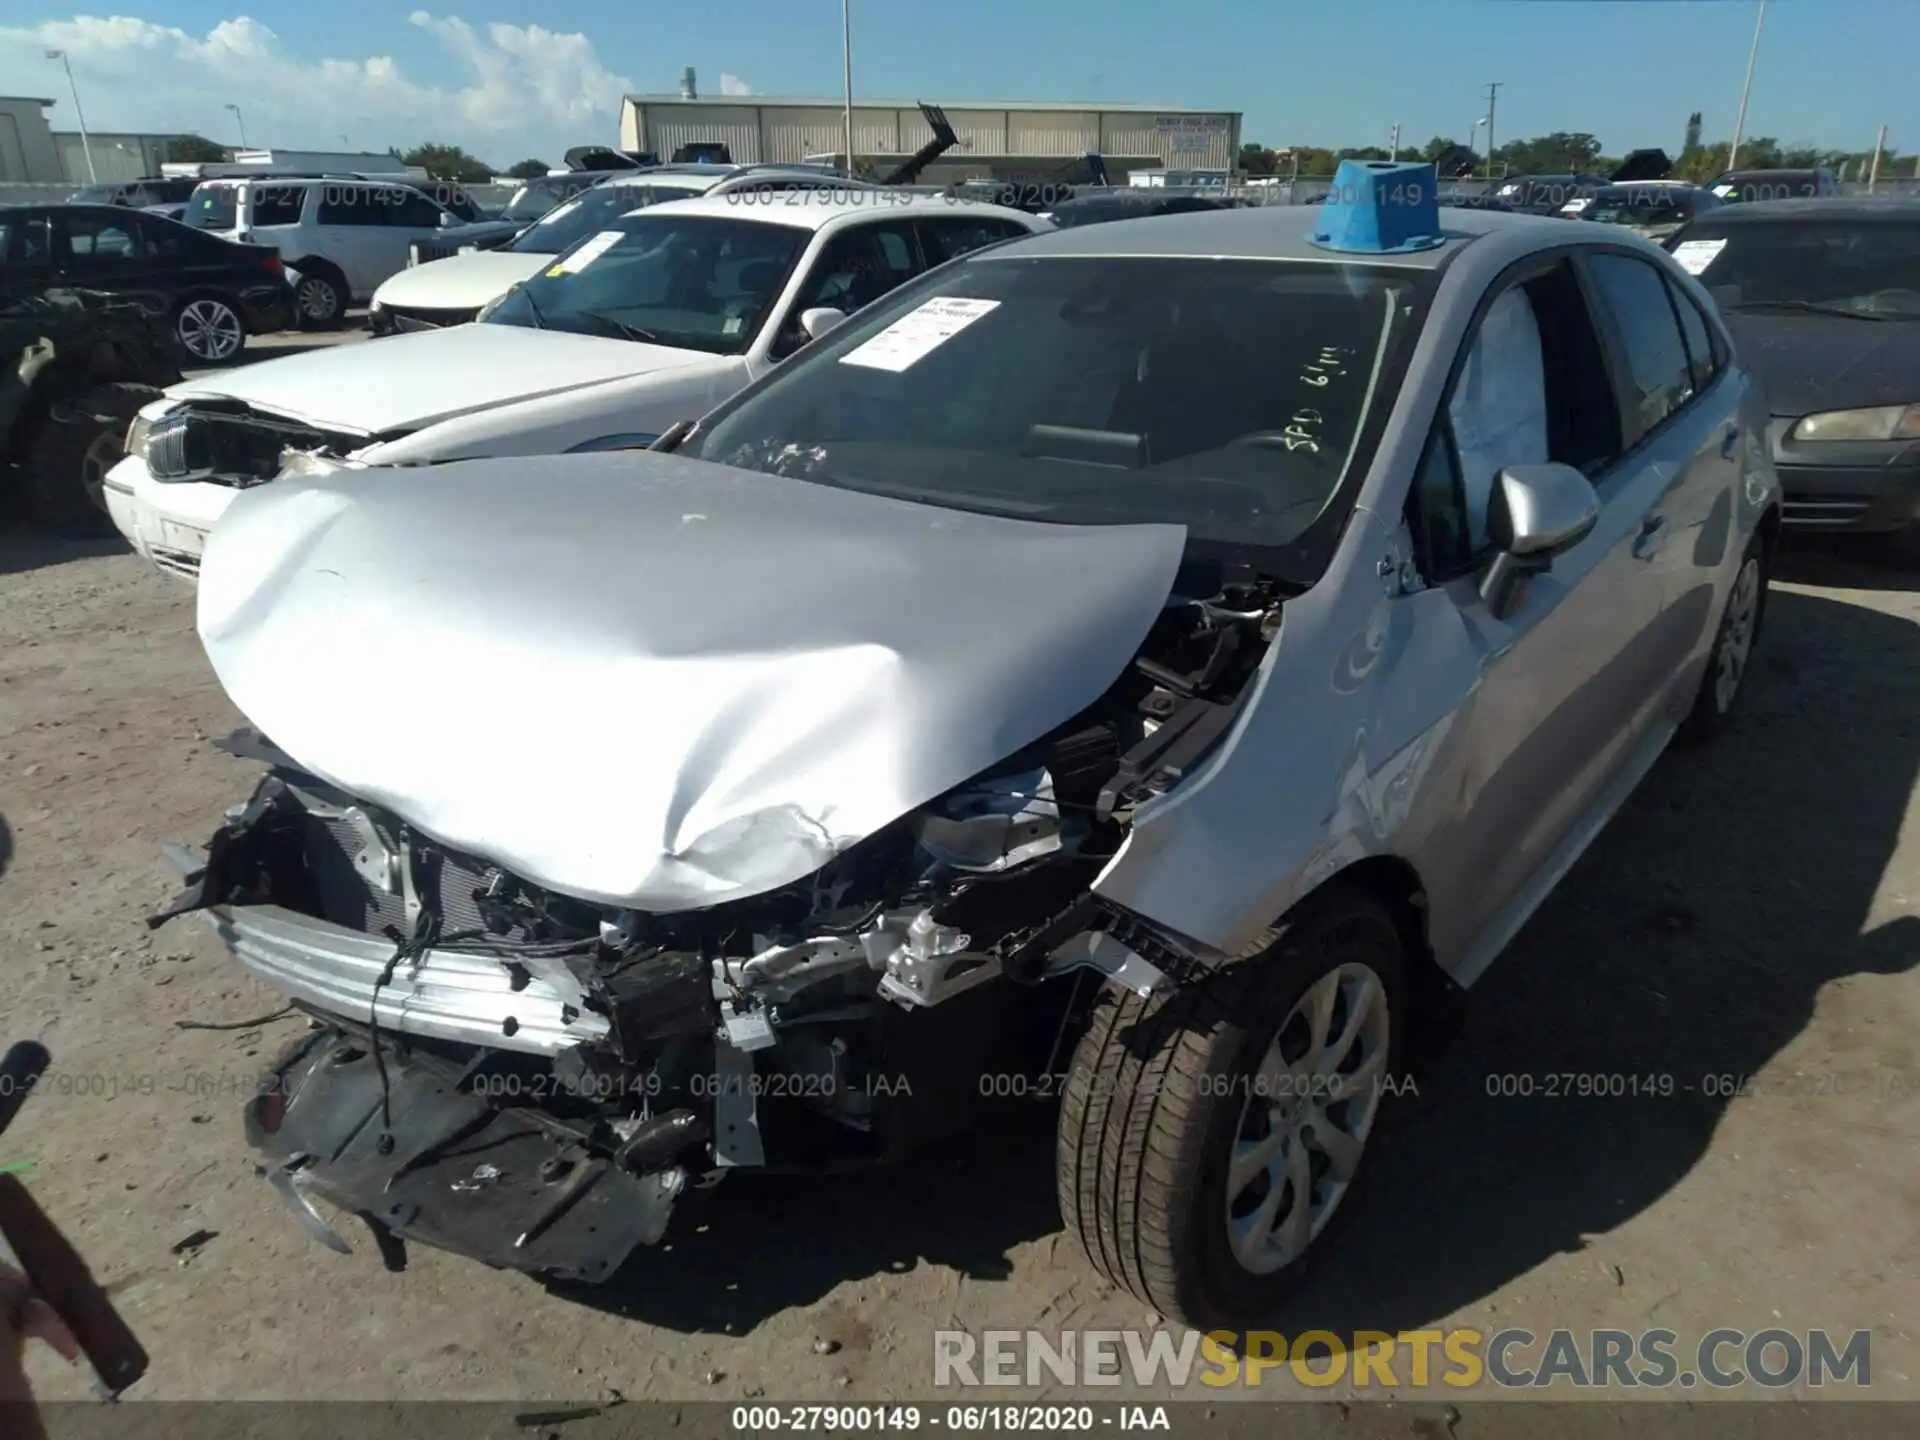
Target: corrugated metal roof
[{"x": 838, "y": 103}]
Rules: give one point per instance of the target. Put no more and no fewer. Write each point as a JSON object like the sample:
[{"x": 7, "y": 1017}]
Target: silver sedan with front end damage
[{"x": 1207, "y": 637}]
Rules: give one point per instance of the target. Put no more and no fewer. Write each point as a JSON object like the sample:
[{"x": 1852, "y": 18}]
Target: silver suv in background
[
  {"x": 432, "y": 293},
  {"x": 344, "y": 235}
]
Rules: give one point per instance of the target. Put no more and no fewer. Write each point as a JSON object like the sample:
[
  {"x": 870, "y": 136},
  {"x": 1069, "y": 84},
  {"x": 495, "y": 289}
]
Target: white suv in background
[
  {"x": 451, "y": 291},
  {"x": 654, "y": 319},
  {"x": 343, "y": 236}
]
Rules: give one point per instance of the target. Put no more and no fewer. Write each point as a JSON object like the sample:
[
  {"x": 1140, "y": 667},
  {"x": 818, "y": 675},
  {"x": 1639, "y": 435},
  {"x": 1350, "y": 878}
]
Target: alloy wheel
[
  {"x": 1310, "y": 1107},
  {"x": 211, "y": 330},
  {"x": 1736, "y": 634},
  {"x": 318, "y": 299},
  {"x": 101, "y": 456}
]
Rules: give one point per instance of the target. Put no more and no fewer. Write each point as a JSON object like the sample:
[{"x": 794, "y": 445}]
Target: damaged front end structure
[{"x": 532, "y": 1079}]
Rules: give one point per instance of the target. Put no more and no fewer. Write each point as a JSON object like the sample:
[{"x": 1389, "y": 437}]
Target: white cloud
[
  {"x": 520, "y": 90},
  {"x": 734, "y": 85}
]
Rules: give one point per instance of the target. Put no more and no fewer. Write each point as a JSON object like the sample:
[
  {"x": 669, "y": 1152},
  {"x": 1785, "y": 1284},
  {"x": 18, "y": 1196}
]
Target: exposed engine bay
[{"x": 775, "y": 1031}]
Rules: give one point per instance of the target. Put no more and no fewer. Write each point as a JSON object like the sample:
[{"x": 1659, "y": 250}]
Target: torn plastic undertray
[{"x": 502, "y": 1186}]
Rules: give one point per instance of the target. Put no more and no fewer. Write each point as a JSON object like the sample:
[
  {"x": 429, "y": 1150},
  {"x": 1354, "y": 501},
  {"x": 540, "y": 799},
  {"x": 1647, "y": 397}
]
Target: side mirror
[
  {"x": 1539, "y": 512},
  {"x": 820, "y": 320}
]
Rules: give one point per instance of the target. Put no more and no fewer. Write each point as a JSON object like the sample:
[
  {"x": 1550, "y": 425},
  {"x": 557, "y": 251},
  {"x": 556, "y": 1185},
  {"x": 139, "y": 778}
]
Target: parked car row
[
  {"x": 976, "y": 639},
  {"x": 658, "y": 315}
]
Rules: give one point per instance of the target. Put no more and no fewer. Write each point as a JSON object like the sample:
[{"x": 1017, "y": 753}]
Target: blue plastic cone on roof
[{"x": 1381, "y": 207}]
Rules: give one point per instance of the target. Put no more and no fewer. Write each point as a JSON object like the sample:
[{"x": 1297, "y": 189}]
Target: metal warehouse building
[{"x": 997, "y": 138}]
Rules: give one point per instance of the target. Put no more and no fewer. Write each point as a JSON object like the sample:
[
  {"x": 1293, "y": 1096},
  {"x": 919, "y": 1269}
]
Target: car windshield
[
  {"x": 535, "y": 199},
  {"x": 1634, "y": 205},
  {"x": 1745, "y": 186},
  {"x": 589, "y": 212},
  {"x": 697, "y": 282},
  {"x": 1231, "y": 397},
  {"x": 213, "y": 207},
  {"x": 96, "y": 194},
  {"x": 1850, "y": 266}
]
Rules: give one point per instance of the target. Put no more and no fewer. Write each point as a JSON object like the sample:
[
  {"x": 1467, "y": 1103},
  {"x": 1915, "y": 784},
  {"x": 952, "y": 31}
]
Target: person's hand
[{"x": 25, "y": 1316}]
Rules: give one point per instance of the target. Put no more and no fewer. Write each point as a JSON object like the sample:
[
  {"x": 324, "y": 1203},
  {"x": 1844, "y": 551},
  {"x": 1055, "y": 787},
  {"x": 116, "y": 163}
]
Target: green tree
[
  {"x": 1438, "y": 146},
  {"x": 194, "y": 150},
  {"x": 1257, "y": 159},
  {"x": 527, "y": 169},
  {"x": 1560, "y": 153},
  {"x": 1692, "y": 142},
  {"x": 448, "y": 162}
]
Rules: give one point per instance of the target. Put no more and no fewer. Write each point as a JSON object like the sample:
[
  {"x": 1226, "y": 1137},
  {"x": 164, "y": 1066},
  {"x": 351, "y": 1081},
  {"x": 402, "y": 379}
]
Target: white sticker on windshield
[
  {"x": 589, "y": 251},
  {"x": 1723, "y": 191},
  {"x": 918, "y": 333},
  {"x": 1574, "y": 207},
  {"x": 1696, "y": 255}
]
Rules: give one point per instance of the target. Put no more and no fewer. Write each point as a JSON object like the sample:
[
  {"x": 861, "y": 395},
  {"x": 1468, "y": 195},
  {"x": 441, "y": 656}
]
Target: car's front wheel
[
  {"x": 68, "y": 461},
  {"x": 1209, "y": 1138}
]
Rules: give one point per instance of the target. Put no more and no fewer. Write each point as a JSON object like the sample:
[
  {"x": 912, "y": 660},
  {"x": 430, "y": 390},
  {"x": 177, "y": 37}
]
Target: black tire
[
  {"x": 320, "y": 299},
  {"x": 67, "y": 460},
  {"x": 1714, "y": 703},
  {"x": 1159, "y": 1090},
  {"x": 205, "y": 324}
]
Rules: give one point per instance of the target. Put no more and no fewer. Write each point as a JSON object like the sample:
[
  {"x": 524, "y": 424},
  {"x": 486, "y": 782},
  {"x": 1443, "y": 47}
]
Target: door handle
[
  {"x": 1653, "y": 534},
  {"x": 1729, "y": 441}
]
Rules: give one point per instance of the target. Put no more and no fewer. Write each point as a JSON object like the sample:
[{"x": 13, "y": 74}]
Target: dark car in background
[
  {"x": 1743, "y": 187},
  {"x": 1547, "y": 194},
  {"x": 1823, "y": 299},
  {"x": 1653, "y": 208},
  {"x": 1133, "y": 204},
  {"x": 537, "y": 198},
  {"x": 213, "y": 293}
]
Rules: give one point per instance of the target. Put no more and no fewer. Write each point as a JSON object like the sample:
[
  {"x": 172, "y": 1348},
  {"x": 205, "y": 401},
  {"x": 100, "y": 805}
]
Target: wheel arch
[
  {"x": 319, "y": 265},
  {"x": 1437, "y": 1002}
]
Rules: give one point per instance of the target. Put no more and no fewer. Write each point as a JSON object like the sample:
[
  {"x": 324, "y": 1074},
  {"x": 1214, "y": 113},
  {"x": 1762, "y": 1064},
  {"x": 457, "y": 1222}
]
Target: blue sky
[{"x": 506, "y": 78}]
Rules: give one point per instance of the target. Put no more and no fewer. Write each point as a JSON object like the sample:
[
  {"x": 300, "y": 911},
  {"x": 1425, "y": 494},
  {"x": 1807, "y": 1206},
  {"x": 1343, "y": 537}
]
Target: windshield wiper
[
  {"x": 632, "y": 332},
  {"x": 533, "y": 308},
  {"x": 1810, "y": 307}
]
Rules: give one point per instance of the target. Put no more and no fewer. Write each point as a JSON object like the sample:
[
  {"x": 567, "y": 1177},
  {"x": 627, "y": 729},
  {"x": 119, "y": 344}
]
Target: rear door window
[
  {"x": 1653, "y": 352},
  {"x": 98, "y": 240},
  {"x": 1703, "y": 352},
  {"x": 411, "y": 210},
  {"x": 351, "y": 205},
  {"x": 277, "y": 204},
  {"x": 948, "y": 237}
]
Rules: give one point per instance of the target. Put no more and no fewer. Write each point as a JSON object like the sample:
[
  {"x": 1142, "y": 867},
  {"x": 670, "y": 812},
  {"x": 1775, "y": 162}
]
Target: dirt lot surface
[{"x": 1751, "y": 914}]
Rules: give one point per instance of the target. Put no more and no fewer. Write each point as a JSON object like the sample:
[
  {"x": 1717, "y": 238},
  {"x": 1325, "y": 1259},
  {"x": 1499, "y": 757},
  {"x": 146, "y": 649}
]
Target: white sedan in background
[{"x": 654, "y": 319}]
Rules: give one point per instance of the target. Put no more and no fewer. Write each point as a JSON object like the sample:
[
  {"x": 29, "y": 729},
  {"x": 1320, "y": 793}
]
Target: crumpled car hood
[
  {"x": 404, "y": 382},
  {"x": 656, "y": 682}
]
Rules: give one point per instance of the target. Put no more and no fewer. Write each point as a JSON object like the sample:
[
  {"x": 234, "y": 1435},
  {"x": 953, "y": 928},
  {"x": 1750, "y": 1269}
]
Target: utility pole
[
  {"x": 846, "y": 59},
  {"x": 1879, "y": 145},
  {"x": 1493, "y": 98},
  {"x": 1740, "y": 120},
  {"x": 86, "y": 145},
  {"x": 1393, "y": 145}
]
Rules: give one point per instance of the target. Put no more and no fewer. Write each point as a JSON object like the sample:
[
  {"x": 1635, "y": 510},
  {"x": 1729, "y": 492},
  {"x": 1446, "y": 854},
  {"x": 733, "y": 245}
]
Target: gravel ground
[{"x": 1751, "y": 913}]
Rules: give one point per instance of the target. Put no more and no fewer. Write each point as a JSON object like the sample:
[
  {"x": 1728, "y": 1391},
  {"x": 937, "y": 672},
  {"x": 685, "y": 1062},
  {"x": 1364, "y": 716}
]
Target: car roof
[
  {"x": 1259, "y": 232},
  {"x": 1818, "y": 207},
  {"x": 815, "y": 209}
]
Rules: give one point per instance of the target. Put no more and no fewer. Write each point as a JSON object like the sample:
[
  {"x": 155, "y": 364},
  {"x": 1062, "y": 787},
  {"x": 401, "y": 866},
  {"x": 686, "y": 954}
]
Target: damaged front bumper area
[{"x": 534, "y": 1079}]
